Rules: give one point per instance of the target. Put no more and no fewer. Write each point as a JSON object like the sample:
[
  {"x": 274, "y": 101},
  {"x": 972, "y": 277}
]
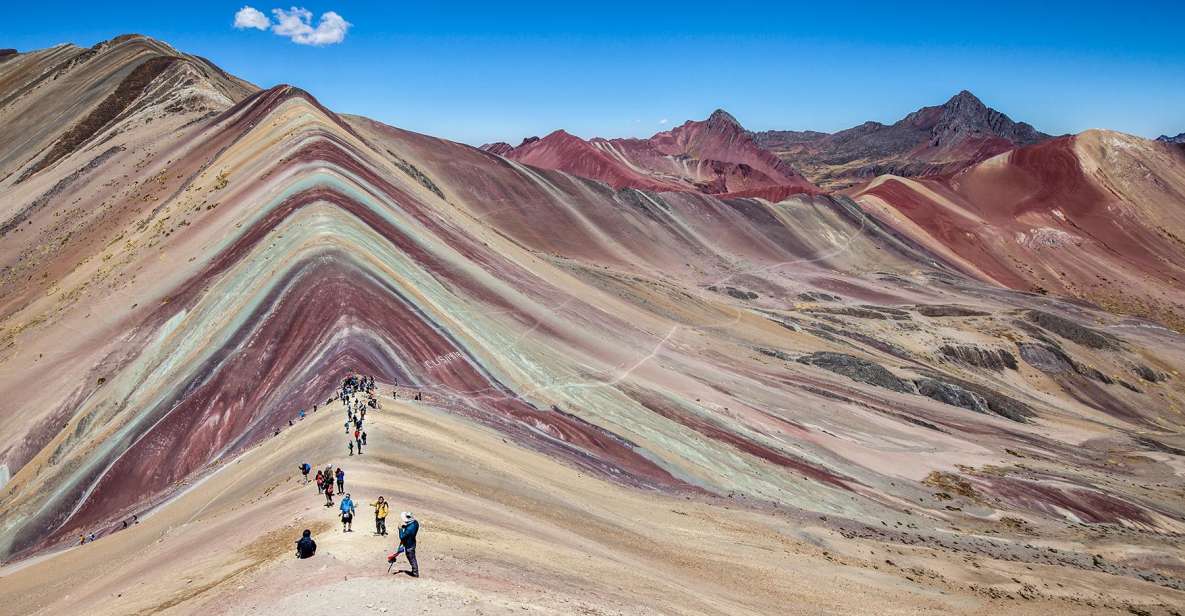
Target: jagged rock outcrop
[
  {"x": 992, "y": 359},
  {"x": 858, "y": 369},
  {"x": 949, "y": 393}
]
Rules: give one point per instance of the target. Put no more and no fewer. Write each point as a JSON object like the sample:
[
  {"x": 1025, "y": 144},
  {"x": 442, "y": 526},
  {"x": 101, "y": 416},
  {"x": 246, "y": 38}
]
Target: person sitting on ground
[
  {"x": 347, "y": 509},
  {"x": 305, "y": 546},
  {"x": 380, "y": 516}
]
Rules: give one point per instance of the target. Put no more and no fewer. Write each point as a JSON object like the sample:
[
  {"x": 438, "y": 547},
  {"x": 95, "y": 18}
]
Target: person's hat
[{"x": 405, "y": 516}]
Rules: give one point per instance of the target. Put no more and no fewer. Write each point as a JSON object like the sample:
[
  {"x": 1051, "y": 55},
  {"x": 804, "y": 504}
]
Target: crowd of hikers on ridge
[
  {"x": 357, "y": 397},
  {"x": 331, "y": 480}
]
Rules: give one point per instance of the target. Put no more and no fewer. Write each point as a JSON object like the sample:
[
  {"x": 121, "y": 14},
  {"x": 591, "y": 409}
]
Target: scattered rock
[
  {"x": 951, "y": 394},
  {"x": 813, "y": 296},
  {"x": 947, "y": 310},
  {"x": 857, "y": 369},
  {"x": 848, "y": 311},
  {"x": 775, "y": 353},
  {"x": 992, "y": 359},
  {"x": 735, "y": 292},
  {"x": 998, "y": 403},
  {"x": 1072, "y": 331},
  {"x": 1148, "y": 374}
]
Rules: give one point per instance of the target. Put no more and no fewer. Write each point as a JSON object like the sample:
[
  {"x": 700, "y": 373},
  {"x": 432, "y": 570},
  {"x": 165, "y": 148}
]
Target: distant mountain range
[
  {"x": 929, "y": 141},
  {"x": 718, "y": 156},
  {"x": 715, "y": 156},
  {"x": 1180, "y": 138}
]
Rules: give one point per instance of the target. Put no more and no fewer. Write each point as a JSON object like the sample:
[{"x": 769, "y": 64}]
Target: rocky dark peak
[
  {"x": 965, "y": 100},
  {"x": 965, "y": 115},
  {"x": 8, "y": 54},
  {"x": 721, "y": 119},
  {"x": 1180, "y": 138}
]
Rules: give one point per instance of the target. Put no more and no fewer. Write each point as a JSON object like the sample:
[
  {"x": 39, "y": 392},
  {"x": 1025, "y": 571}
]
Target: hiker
[
  {"x": 363, "y": 438},
  {"x": 320, "y": 482},
  {"x": 81, "y": 539},
  {"x": 347, "y": 509},
  {"x": 328, "y": 493},
  {"x": 347, "y": 424},
  {"x": 407, "y": 541},
  {"x": 91, "y": 538},
  {"x": 340, "y": 475},
  {"x": 380, "y": 516},
  {"x": 305, "y": 546},
  {"x": 350, "y": 444},
  {"x": 304, "y": 470}
]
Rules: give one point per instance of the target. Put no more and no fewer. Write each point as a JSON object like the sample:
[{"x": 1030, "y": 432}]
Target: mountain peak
[
  {"x": 723, "y": 119},
  {"x": 965, "y": 101}
]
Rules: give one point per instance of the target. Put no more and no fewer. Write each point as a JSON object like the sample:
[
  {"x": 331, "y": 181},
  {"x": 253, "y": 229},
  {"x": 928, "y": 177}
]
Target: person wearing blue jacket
[
  {"x": 347, "y": 509},
  {"x": 407, "y": 540}
]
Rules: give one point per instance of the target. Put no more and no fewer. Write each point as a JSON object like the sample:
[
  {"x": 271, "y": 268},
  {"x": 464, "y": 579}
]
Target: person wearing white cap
[{"x": 407, "y": 540}]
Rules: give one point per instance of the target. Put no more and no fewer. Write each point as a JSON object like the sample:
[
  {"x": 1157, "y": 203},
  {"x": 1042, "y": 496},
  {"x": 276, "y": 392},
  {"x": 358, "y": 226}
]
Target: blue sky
[{"x": 478, "y": 72}]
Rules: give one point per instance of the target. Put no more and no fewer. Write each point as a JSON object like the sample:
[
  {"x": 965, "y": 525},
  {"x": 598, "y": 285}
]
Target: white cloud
[
  {"x": 249, "y": 17},
  {"x": 297, "y": 25},
  {"x": 663, "y": 121}
]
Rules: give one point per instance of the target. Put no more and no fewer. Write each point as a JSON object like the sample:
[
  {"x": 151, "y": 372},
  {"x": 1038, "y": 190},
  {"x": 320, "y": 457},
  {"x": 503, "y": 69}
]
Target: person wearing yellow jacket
[{"x": 380, "y": 516}]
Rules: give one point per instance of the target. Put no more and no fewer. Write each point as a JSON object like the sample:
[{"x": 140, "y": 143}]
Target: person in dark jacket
[
  {"x": 407, "y": 540},
  {"x": 305, "y": 546},
  {"x": 340, "y": 475}
]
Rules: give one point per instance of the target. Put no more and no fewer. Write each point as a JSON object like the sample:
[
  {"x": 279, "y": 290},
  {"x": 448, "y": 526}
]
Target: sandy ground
[{"x": 504, "y": 530}]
